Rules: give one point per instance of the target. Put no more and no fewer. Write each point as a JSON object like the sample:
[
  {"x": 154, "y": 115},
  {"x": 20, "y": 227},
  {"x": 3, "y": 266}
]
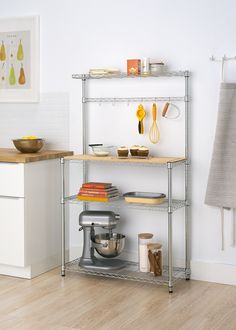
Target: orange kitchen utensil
[
  {"x": 141, "y": 113},
  {"x": 154, "y": 133}
]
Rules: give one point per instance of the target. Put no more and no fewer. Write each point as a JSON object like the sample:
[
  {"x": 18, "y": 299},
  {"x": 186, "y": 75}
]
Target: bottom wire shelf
[{"x": 130, "y": 272}]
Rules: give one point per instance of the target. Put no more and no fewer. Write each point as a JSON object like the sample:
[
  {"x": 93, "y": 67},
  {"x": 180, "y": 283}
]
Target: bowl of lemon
[{"x": 28, "y": 144}]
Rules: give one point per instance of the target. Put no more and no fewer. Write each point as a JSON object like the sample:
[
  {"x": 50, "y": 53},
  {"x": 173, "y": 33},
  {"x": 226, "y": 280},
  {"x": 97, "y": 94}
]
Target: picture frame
[{"x": 19, "y": 59}]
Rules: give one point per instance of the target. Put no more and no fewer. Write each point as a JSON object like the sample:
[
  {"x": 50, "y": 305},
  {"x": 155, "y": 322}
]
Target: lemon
[{"x": 30, "y": 137}]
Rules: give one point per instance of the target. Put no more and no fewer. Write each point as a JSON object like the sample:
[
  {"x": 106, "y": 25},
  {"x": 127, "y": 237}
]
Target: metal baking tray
[{"x": 144, "y": 197}]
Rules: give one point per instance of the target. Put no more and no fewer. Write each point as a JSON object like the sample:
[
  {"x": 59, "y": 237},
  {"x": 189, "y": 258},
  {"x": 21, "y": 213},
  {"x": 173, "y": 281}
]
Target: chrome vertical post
[
  {"x": 187, "y": 179},
  {"x": 170, "y": 258},
  {"x": 85, "y": 134},
  {"x": 63, "y": 245}
]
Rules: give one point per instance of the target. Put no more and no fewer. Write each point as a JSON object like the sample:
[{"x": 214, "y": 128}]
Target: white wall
[
  {"x": 48, "y": 119},
  {"x": 78, "y": 35}
]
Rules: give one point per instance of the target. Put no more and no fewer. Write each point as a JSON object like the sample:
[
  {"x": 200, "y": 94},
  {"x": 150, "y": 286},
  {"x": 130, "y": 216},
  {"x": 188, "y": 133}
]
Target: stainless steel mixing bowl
[
  {"x": 28, "y": 146},
  {"x": 113, "y": 244}
]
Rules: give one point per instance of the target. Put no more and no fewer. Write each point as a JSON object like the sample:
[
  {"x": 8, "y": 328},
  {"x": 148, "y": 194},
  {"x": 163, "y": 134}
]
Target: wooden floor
[{"x": 79, "y": 302}]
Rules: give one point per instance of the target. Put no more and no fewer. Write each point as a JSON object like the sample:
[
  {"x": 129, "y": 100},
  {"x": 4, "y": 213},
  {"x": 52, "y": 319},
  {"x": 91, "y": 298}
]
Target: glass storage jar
[
  {"x": 143, "y": 240},
  {"x": 155, "y": 258}
]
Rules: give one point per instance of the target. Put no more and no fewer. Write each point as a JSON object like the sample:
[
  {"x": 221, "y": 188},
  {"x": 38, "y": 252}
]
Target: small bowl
[
  {"x": 102, "y": 150},
  {"x": 111, "y": 245},
  {"x": 28, "y": 146}
]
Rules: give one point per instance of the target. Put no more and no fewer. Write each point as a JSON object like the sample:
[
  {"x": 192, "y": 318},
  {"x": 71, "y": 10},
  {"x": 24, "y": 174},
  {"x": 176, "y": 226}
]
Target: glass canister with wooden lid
[
  {"x": 143, "y": 240},
  {"x": 155, "y": 258}
]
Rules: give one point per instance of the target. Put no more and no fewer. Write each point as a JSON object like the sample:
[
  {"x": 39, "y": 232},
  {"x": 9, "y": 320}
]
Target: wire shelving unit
[{"x": 171, "y": 274}]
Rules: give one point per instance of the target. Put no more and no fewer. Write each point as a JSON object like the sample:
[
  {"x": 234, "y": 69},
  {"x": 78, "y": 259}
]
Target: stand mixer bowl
[{"x": 111, "y": 244}]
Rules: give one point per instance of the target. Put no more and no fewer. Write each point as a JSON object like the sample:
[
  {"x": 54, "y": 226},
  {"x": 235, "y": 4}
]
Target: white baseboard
[
  {"x": 213, "y": 272},
  {"x": 33, "y": 270},
  {"x": 23, "y": 272}
]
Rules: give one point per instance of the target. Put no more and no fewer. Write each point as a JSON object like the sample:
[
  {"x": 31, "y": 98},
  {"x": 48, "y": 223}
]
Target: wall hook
[{"x": 223, "y": 59}]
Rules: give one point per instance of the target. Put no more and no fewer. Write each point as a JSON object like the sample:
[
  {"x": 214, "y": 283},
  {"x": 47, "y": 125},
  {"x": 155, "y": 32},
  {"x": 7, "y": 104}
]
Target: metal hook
[
  {"x": 224, "y": 58},
  {"x": 212, "y": 58}
]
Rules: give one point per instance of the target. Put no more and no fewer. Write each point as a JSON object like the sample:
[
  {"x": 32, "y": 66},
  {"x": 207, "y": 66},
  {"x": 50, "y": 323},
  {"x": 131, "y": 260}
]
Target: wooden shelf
[{"x": 114, "y": 159}]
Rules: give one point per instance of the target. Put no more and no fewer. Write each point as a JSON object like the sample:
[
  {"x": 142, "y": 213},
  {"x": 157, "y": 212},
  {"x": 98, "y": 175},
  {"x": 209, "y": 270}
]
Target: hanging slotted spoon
[{"x": 154, "y": 133}]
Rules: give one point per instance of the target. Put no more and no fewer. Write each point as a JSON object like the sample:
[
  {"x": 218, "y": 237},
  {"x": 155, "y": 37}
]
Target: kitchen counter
[
  {"x": 30, "y": 195},
  {"x": 14, "y": 156}
]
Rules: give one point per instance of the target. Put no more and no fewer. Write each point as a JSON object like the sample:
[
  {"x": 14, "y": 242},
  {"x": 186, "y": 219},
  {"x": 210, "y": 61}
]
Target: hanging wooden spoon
[{"x": 141, "y": 113}]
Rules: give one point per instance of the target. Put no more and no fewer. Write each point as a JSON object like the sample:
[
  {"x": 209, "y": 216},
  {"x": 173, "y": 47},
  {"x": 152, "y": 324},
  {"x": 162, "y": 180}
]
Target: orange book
[
  {"x": 133, "y": 67},
  {"x": 93, "y": 199},
  {"x": 98, "y": 191},
  {"x": 96, "y": 185}
]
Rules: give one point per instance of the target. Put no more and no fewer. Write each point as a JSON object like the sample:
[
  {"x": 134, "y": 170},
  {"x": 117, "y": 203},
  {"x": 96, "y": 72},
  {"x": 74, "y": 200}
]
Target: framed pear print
[{"x": 19, "y": 59}]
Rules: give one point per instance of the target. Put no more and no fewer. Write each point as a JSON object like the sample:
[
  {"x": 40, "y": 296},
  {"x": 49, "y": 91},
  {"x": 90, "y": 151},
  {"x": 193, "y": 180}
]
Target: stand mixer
[{"x": 108, "y": 245}]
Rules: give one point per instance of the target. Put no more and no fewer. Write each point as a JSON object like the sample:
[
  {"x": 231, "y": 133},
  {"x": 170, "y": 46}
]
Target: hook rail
[{"x": 222, "y": 60}]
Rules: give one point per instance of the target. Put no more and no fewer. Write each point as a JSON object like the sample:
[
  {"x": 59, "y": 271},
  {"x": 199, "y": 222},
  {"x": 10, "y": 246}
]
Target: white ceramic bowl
[{"x": 102, "y": 151}]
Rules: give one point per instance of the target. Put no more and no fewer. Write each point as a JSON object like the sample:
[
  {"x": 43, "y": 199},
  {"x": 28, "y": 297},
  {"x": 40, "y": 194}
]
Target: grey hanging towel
[{"x": 221, "y": 188}]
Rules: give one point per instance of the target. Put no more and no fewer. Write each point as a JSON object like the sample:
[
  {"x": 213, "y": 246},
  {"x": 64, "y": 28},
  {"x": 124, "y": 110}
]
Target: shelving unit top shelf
[
  {"x": 125, "y": 75},
  {"x": 112, "y": 159}
]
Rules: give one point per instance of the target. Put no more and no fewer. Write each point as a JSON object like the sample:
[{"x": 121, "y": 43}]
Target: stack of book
[{"x": 98, "y": 192}]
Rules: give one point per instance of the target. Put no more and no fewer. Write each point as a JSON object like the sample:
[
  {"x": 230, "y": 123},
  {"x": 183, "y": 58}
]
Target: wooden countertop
[
  {"x": 149, "y": 160},
  {"x": 14, "y": 156}
]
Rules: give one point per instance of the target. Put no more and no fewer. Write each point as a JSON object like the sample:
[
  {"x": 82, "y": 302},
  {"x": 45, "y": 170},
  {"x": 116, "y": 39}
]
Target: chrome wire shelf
[
  {"x": 100, "y": 162},
  {"x": 120, "y": 203},
  {"x": 134, "y": 99},
  {"x": 130, "y": 272},
  {"x": 124, "y": 75}
]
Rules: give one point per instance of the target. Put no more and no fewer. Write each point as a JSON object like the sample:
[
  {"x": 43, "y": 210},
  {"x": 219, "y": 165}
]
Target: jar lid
[
  {"x": 145, "y": 235},
  {"x": 153, "y": 246},
  {"x": 158, "y": 63}
]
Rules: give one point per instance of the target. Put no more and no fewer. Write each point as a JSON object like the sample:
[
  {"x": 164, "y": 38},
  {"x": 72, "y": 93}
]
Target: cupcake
[
  {"x": 143, "y": 152},
  {"x": 134, "y": 150},
  {"x": 123, "y": 151}
]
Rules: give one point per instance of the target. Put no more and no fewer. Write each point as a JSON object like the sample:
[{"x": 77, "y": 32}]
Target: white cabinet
[
  {"x": 12, "y": 231},
  {"x": 12, "y": 179},
  {"x": 29, "y": 217}
]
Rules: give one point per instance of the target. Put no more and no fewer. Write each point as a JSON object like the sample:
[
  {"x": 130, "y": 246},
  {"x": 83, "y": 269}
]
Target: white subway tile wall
[{"x": 48, "y": 119}]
